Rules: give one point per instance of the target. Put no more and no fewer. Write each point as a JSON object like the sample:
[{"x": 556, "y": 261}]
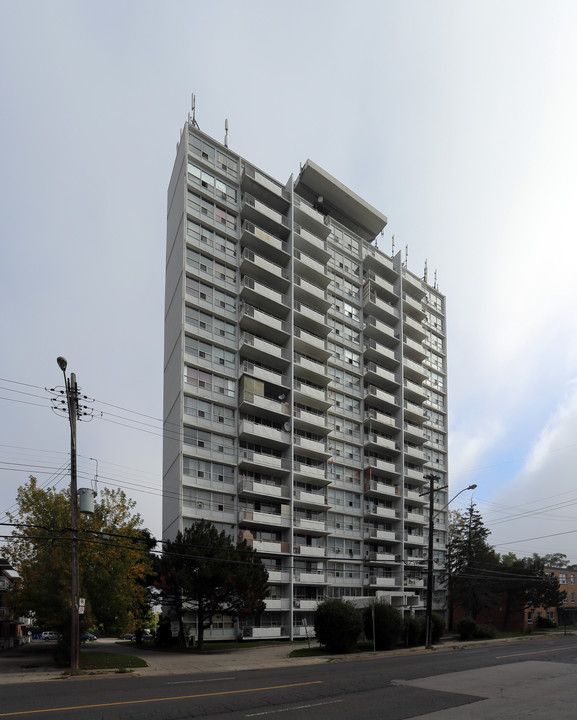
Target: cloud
[{"x": 541, "y": 501}]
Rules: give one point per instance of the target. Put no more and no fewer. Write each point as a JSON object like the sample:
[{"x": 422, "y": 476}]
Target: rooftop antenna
[
  {"x": 393, "y": 247},
  {"x": 406, "y": 255},
  {"x": 193, "y": 105},
  {"x": 426, "y": 273},
  {"x": 226, "y": 132},
  {"x": 436, "y": 286}
]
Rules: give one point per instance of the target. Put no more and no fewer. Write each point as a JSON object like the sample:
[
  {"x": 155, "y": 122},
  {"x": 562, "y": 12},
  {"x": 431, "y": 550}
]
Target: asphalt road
[{"x": 536, "y": 679}]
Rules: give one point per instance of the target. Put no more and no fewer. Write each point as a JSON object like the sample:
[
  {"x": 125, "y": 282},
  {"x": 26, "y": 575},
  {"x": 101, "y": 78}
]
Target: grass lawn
[{"x": 95, "y": 660}]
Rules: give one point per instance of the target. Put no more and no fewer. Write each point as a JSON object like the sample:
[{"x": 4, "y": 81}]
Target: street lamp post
[
  {"x": 72, "y": 403},
  {"x": 430, "y": 574}
]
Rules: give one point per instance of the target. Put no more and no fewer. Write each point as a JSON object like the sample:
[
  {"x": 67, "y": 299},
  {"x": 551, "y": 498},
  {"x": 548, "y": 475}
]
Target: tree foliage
[
  {"x": 478, "y": 577},
  {"x": 113, "y": 557},
  {"x": 388, "y": 625},
  {"x": 338, "y": 625},
  {"x": 204, "y": 572},
  {"x": 470, "y": 560}
]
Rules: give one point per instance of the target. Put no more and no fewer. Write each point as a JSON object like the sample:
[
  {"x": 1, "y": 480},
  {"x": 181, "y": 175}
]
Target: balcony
[
  {"x": 380, "y": 354},
  {"x": 310, "y": 499},
  {"x": 278, "y": 576},
  {"x": 311, "y": 578},
  {"x": 251, "y": 403},
  {"x": 264, "y": 270},
  {"x": 271, "y": 376},
  {"x": 264, "y": 546},
  {"x": 309, "y": 550},
  {"x": 254, "y": 320},
  {"x": 374, "y": 487},
  {"x": 306, "y": 266},
  {"x": 306, "y": 215},
  {"x": 310, "y": 294},
  {"x": 263, "y": 296},
  {"x": 257, "y": 461},
  {"x": 414, "y": 582},
  {"x": 414, "y": 412},
  {"x": 314, "y": 448},
  {"x": 277, "y": 604},
  {"x": 378, "y": 581},
  {"x": 252, "y": 517},
  {"x": 414, "y": 474},
  {"x": 374, "y": 534},
  {"x": 414, "y": 433},
  {"x": 378, "y": 261},
  {"x": 374, "y": 441},
  {"x": 309, "y": 395},
  {"x": 264, "y": 188},
  {"x": 414, "y": 285},
  {"x": 381, "y": 399},
  {"x": 414, "y": 350},
  {"x": 415, "y": 454},
  {"x": 310, "y": 244},
  {"x": 380, "y": 420},
  {"x": 309, "y": 319},
  {"x": 255, "y": 348},
  {"x": 311, "y": 421},
  {"x": 258, "y": 431},
  {"x": 414, "y": 391},
  {"x": 378, "y": 511},
  {"x": 389, "y": 468},
  {"x": 417, "y": 518},
  {"x": 257, "y": 212},
  {"x": 381, "y": 332},
  {"x": 302, "y": 471},
  {"x": 415, "y": 371},
  {"x": 315, "y": 526},
  {"x": 413, "y": 307},
  {"x": 302, "y": 604},
  {"x": 379, "y": 557},
  {"x": 378, "y": 307},
  {"x": 254, "y": 488},
  {"x": 262, "y": 242},
  {"x": 309, "y": 344},
  {"x": 312, "y": 370},
  {"x": 380, "y": 376},
  {"x": 414, "y": 328}
]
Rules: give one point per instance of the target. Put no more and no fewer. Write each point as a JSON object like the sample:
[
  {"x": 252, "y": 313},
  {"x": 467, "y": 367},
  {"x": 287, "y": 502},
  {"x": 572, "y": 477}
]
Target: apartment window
[
  {"x": 206, "y": 470},
  {"x": 562, "y": 578}
]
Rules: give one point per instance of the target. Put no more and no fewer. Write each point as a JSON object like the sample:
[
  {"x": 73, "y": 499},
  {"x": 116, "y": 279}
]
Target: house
[{"x": 13, "y": 631}]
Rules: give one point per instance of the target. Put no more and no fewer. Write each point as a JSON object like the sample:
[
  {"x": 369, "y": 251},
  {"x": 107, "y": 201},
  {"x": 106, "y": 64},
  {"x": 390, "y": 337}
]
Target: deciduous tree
[{"x": 113, "y": 556}]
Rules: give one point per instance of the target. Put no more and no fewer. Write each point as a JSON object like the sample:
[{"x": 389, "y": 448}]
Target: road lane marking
[
  {"x": 535, "y": 652},
  {"x": 192, "y": 682},
  {"x": 298, "y": 707},
  {"x": 153, "y": 700}
]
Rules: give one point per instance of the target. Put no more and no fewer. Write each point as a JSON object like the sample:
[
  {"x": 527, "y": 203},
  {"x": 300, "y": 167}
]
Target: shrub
[
  {"x": 545, "y": 622},
  {"x": 438, "y": 627},
  {"x": 337, "y": 625},
  {"x": 467, "y": 628},
  {"x": 388, "y": 625},
  {"x": 414, "y": 630},
  {"x": 485, "y": 632}
]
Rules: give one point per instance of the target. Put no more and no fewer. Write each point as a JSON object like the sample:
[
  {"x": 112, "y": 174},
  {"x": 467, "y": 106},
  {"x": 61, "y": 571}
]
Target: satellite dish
[{"x": 287, "y": 426}]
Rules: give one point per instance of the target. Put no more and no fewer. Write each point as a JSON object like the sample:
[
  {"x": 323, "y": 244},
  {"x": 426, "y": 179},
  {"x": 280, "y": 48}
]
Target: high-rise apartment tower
[{"x": 304, "y": 386}]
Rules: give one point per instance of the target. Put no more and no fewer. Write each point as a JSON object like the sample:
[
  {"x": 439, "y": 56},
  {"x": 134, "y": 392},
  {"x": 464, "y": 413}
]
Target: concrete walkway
[{"x": 33, "y": 662}]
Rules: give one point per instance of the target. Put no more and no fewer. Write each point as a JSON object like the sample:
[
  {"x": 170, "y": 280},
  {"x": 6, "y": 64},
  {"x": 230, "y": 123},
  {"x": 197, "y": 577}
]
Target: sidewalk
[{"x": 33, "y": 663}]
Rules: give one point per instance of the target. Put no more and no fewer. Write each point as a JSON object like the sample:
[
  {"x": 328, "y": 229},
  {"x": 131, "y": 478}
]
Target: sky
[{"x": 456, "y": 120}]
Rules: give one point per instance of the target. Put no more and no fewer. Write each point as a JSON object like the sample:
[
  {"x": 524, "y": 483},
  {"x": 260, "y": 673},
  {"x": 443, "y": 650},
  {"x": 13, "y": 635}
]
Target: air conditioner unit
[
  {"x": 297, "y": 603},
  {"x": 200, "y": 504}
]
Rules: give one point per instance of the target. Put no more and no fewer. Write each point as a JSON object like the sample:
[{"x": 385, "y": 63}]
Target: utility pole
[
  {"x": 72, "y": 403},
  {"x": 430, "y": 575}
]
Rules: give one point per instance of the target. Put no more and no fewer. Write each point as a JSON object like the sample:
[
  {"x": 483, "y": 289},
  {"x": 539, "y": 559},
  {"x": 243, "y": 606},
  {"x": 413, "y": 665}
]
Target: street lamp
[
  {"x": 72, "y": 403},
  {"x": 430, "y": 576}
]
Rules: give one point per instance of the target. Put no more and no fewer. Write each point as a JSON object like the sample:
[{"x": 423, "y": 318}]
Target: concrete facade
[{"x": 304, "y": 385}]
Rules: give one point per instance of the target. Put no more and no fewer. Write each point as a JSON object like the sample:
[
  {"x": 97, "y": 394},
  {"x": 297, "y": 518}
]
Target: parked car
[
  {"x": 51, "y": 635},
  {"x": 88, "y": 637}
]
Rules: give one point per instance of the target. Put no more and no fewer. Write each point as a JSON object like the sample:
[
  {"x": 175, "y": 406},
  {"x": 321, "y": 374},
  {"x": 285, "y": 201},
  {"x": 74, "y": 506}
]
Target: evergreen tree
[{"x": 204, "y": 572}]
